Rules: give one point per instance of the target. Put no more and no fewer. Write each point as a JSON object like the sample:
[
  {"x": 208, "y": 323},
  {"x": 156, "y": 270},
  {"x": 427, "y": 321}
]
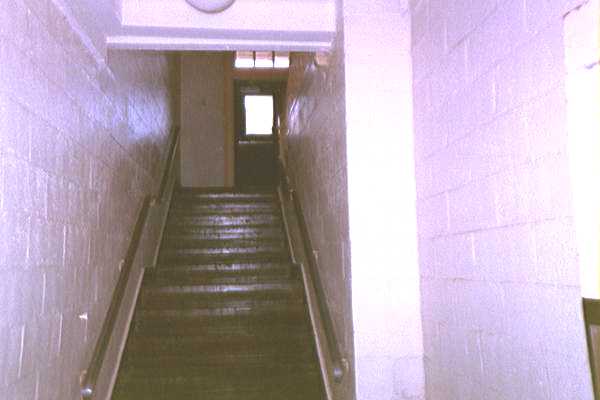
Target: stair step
[
  {"x": 245, "y": 315},
  {"x": 191, "y": 392},
  {"x": 229, "y": 371},
  {"x": 187, "y": 207},
  {"x": 216, "y": 197},
  {"x": 217, "y": 273},
  {"x": 219, "y": 358},
  {"x": 245, "y": 220},
  {"x": 223, "y": 232},
  {"x": 189, "y": 213},
  {"x": 207, "y": 282},
  {"x": 210, "y": 300},
  {"x": 210, "y": 251},
  {"x": 242, "y": 287},
  {"x": 275, "y": 325},
  {"x": 185, "y": 259},
  {"x": 224, "y": 245},
  {"x": 275, "y": 383},
  {"x": 185, "y": 345}
]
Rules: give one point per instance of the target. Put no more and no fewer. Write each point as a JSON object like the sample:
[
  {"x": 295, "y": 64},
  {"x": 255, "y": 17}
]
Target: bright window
[
  {"x": 259, "y": 114},
  {"x": 244, "y": 59},
  {"x": 282, "y": 60},
  {"x": 262, "y": 59}
]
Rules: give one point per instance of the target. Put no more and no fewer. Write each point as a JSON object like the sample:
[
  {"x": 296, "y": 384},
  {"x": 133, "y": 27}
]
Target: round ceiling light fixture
[{"x": 211, "y": 6}]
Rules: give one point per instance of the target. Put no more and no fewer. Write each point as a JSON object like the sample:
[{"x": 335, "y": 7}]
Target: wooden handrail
[
  {"x": 90, "y": 379},
  {"x": 339, "y": 363},
  {"x": 169, "y": 166}
]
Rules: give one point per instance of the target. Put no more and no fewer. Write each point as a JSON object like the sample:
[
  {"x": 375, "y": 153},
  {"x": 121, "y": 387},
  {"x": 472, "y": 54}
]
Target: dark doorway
[{"x": 257, "y": 110}]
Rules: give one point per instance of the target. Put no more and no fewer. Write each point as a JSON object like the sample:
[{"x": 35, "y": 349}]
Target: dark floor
[{"x": 224, "y": 315}]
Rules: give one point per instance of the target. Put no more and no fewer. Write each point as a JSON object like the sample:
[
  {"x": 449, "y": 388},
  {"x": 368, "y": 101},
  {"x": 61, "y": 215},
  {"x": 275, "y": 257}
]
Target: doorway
[{"x": 257, "y": 116}]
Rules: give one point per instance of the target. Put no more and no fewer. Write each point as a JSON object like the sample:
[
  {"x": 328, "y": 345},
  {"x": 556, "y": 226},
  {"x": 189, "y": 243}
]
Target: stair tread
[
  {"x": 274, "y": 303},
  {"x": 183, "y": 241},
  {"x": 193, "y": 344},
  {"x": 192, "y": 259},
  {"x": 223, "y": 288},
  {"x": 267, "y": 385},
  {"x": 227, "y": 250},
  {"x": 224, "y": 210},
  {"x": 232, "y": 371},
  {"x": 231, "y": 266}
]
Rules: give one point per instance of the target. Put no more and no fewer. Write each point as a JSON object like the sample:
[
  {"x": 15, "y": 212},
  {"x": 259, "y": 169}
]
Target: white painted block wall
[
  {"x": 501, "y": 305},
  {"x": 81, "y": 143},
  {"x": 382, "y": 201},
  {"x": 350, "y": 141}
]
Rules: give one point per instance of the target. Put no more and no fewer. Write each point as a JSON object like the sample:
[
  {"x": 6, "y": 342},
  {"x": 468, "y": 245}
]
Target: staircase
[{"x": 223, "y": 316}]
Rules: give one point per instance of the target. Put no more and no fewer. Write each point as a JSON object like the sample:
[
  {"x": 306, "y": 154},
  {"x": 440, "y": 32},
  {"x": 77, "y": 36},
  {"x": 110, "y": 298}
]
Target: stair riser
[
  {"x": 224, "y": 269},
  {"x": 233, "y": 373},
  {"x": 219, "y": 251},
  {"x": 191, "y": 393},
  {"x": 236, "y": 278},
  {"x": 205, "y": 327},
  {"x": 219, "y": 258},
  {"x": 233, "y": 393},
  {"x": 241, "y": 344},
  {"x": 253, "y": 243},
  {"x": 214, "y": 235},
  {"x": 224, "y": 359},
  {"x": 300, "y": 384},
  {"x": 223, "y": 209},
  {"x": 213, "y": 198}
]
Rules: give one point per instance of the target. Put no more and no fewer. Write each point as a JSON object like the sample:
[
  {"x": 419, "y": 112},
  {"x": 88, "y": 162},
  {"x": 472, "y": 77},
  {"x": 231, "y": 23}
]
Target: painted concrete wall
[
  {"x": 317, "y": 164},
  {"x": 500, "y": 279},
  {"x": 81, "y": 143},
  {"x": 382, "y": 201},
  {"x": 582, "y": 47},
  {"x": 202, "y": 120},
  {"x": 350, "y": 151}
]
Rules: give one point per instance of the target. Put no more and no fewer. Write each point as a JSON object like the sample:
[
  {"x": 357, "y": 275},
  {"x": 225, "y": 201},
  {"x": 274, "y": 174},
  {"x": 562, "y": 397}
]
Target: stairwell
[{"x": 223, "y": 315}]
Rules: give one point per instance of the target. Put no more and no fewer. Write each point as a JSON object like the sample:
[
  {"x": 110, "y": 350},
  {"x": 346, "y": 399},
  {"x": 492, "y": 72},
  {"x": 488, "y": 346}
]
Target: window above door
[
  {"x": 262, "y": 60},
  {"x": 259, "y": 113}
]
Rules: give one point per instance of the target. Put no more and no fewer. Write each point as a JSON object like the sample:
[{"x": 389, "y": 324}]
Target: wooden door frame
[{"x": 274, "y": 87}]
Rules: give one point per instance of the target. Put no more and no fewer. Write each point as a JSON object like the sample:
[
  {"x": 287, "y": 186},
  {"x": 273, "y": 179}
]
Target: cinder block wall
[
  {"x": 81, "y": 143},
  {"x": 351, "y": 155},
  {"x": 317, "y": 164},
  {"x": 501, "y": 304}
]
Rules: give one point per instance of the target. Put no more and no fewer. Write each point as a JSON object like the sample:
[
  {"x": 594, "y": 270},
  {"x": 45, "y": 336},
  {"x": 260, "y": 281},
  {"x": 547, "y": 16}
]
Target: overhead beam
[
  {"x": 212, "y": 44},
  {"x": 290, "y": 25}
]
